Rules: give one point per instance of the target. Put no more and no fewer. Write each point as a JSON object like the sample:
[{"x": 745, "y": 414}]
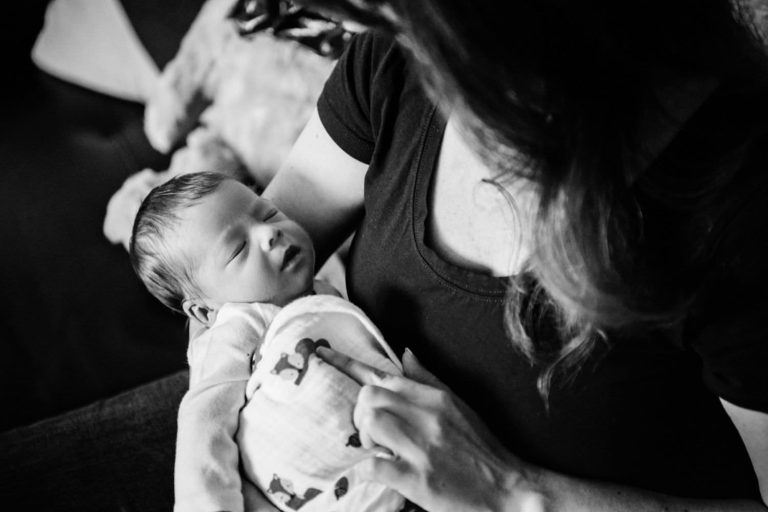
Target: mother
[
  {"x": 562, "y": 228},
  {"x": 566, "y": 229}
]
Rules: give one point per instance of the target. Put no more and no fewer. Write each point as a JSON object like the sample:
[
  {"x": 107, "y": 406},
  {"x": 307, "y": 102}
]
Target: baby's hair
[{"x": 166, "y": 274}]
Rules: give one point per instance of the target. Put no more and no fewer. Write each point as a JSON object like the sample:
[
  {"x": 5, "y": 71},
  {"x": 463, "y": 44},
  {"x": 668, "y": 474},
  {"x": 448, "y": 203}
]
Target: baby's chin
[{"x": 285, "y": 299}]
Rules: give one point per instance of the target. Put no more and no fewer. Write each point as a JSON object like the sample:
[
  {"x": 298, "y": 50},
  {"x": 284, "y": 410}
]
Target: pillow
[
  {"x": 224, "y": 103},
  {"x": 255, "y": 93},
  {"x": 92, "y": 44}
]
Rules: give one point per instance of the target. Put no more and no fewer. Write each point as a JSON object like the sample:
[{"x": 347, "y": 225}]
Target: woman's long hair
[{"x": 553, "y": 91}]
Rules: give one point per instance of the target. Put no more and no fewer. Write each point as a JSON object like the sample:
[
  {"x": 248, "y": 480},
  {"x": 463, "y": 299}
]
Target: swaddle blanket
[
  {"x": 295, "y": 437},
  {"x": 296, "y": 434}
]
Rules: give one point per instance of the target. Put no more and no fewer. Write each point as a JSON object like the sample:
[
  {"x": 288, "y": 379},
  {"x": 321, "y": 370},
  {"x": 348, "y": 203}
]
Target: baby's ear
[{"x": 199, "y": 312}]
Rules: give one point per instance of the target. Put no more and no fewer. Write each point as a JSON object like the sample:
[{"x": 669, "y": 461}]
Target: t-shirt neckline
[{"x": 461, "y": 279}]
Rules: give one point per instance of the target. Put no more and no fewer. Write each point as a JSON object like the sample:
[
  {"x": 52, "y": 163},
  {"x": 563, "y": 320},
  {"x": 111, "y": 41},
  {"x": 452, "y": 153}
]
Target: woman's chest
[
  {"x": 477, "y": 219},
  {"x": 637, "y": 413},
  {"x": 420, "y": 267}
]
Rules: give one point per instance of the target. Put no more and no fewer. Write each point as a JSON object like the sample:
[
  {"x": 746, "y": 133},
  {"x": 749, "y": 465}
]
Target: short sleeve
[
  {"x": 732, "y": 331},
  {"x": 347, "y": 104}
]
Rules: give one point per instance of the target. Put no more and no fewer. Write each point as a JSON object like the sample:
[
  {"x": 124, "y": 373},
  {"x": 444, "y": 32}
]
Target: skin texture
[{"x": 241, "y": 248}]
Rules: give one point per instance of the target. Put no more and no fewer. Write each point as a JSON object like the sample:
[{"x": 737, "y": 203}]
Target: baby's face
[{"x": 242, "y": 249}]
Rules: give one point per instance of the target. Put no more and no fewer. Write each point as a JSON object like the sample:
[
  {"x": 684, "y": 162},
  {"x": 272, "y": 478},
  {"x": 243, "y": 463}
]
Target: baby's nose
[{"x": 269, "y": 237}]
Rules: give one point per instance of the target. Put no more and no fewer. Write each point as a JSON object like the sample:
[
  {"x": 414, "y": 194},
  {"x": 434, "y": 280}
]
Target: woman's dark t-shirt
[{"x": 646, "y": 412}]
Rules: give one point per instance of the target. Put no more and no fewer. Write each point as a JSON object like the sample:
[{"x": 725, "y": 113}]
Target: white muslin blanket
[{"x": 288, "y": 423}]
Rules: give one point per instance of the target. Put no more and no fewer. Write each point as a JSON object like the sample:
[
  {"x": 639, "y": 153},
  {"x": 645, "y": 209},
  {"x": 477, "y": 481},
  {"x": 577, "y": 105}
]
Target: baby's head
[{"x": 203, "y": 239}]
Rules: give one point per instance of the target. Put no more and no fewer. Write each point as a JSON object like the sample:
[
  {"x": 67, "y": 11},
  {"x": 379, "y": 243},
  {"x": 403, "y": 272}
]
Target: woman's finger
[
  {"x": 375, "y": 398},
  {"x": 387, "y": 425},
  {"x": 413, "y": 369},
  {"x": 363, "y": 374},
  {"x": 360, "y": 372},
  {"x": 392, "y": 472}
]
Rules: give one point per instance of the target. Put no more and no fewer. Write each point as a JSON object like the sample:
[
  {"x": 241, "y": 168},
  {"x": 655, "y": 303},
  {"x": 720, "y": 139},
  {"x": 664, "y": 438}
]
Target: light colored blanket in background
[{"x": 223, "y": 103}]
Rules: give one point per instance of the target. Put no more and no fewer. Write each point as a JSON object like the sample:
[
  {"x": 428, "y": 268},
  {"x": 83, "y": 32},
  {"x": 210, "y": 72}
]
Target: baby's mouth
[{"x": 289, "y": 256}]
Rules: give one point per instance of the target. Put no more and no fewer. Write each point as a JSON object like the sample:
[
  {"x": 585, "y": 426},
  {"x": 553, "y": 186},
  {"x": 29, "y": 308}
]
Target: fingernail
[{"x": 385, "y": 453}]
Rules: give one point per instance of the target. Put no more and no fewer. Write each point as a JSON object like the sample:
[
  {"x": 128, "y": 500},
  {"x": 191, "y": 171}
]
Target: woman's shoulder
[
  {"x": 370, "y": 57},
  {"x": 371, "y": 89},
  {"x": 376, "y": 43}
]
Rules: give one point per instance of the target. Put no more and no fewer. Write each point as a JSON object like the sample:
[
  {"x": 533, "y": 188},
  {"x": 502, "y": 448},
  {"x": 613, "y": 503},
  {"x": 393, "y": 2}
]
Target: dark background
[{"x": 76, "y": 325}]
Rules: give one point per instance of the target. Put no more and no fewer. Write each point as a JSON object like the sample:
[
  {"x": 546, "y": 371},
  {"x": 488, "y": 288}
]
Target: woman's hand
[{"x": 438, "y": 453}]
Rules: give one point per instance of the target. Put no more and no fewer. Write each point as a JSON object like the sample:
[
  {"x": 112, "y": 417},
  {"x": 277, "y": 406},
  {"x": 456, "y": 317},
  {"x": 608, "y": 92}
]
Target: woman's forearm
[
  {"x": 321, "y": 188},
  {"x": 562, "y": 493}
]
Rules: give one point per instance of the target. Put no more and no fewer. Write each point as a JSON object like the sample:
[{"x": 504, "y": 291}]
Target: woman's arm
[
  {"x": 753, "y": 428},
  {"x": 445, "y": 459},
  {"x": 320, "y": 187},
  {"x": 572, "y": 494}
]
